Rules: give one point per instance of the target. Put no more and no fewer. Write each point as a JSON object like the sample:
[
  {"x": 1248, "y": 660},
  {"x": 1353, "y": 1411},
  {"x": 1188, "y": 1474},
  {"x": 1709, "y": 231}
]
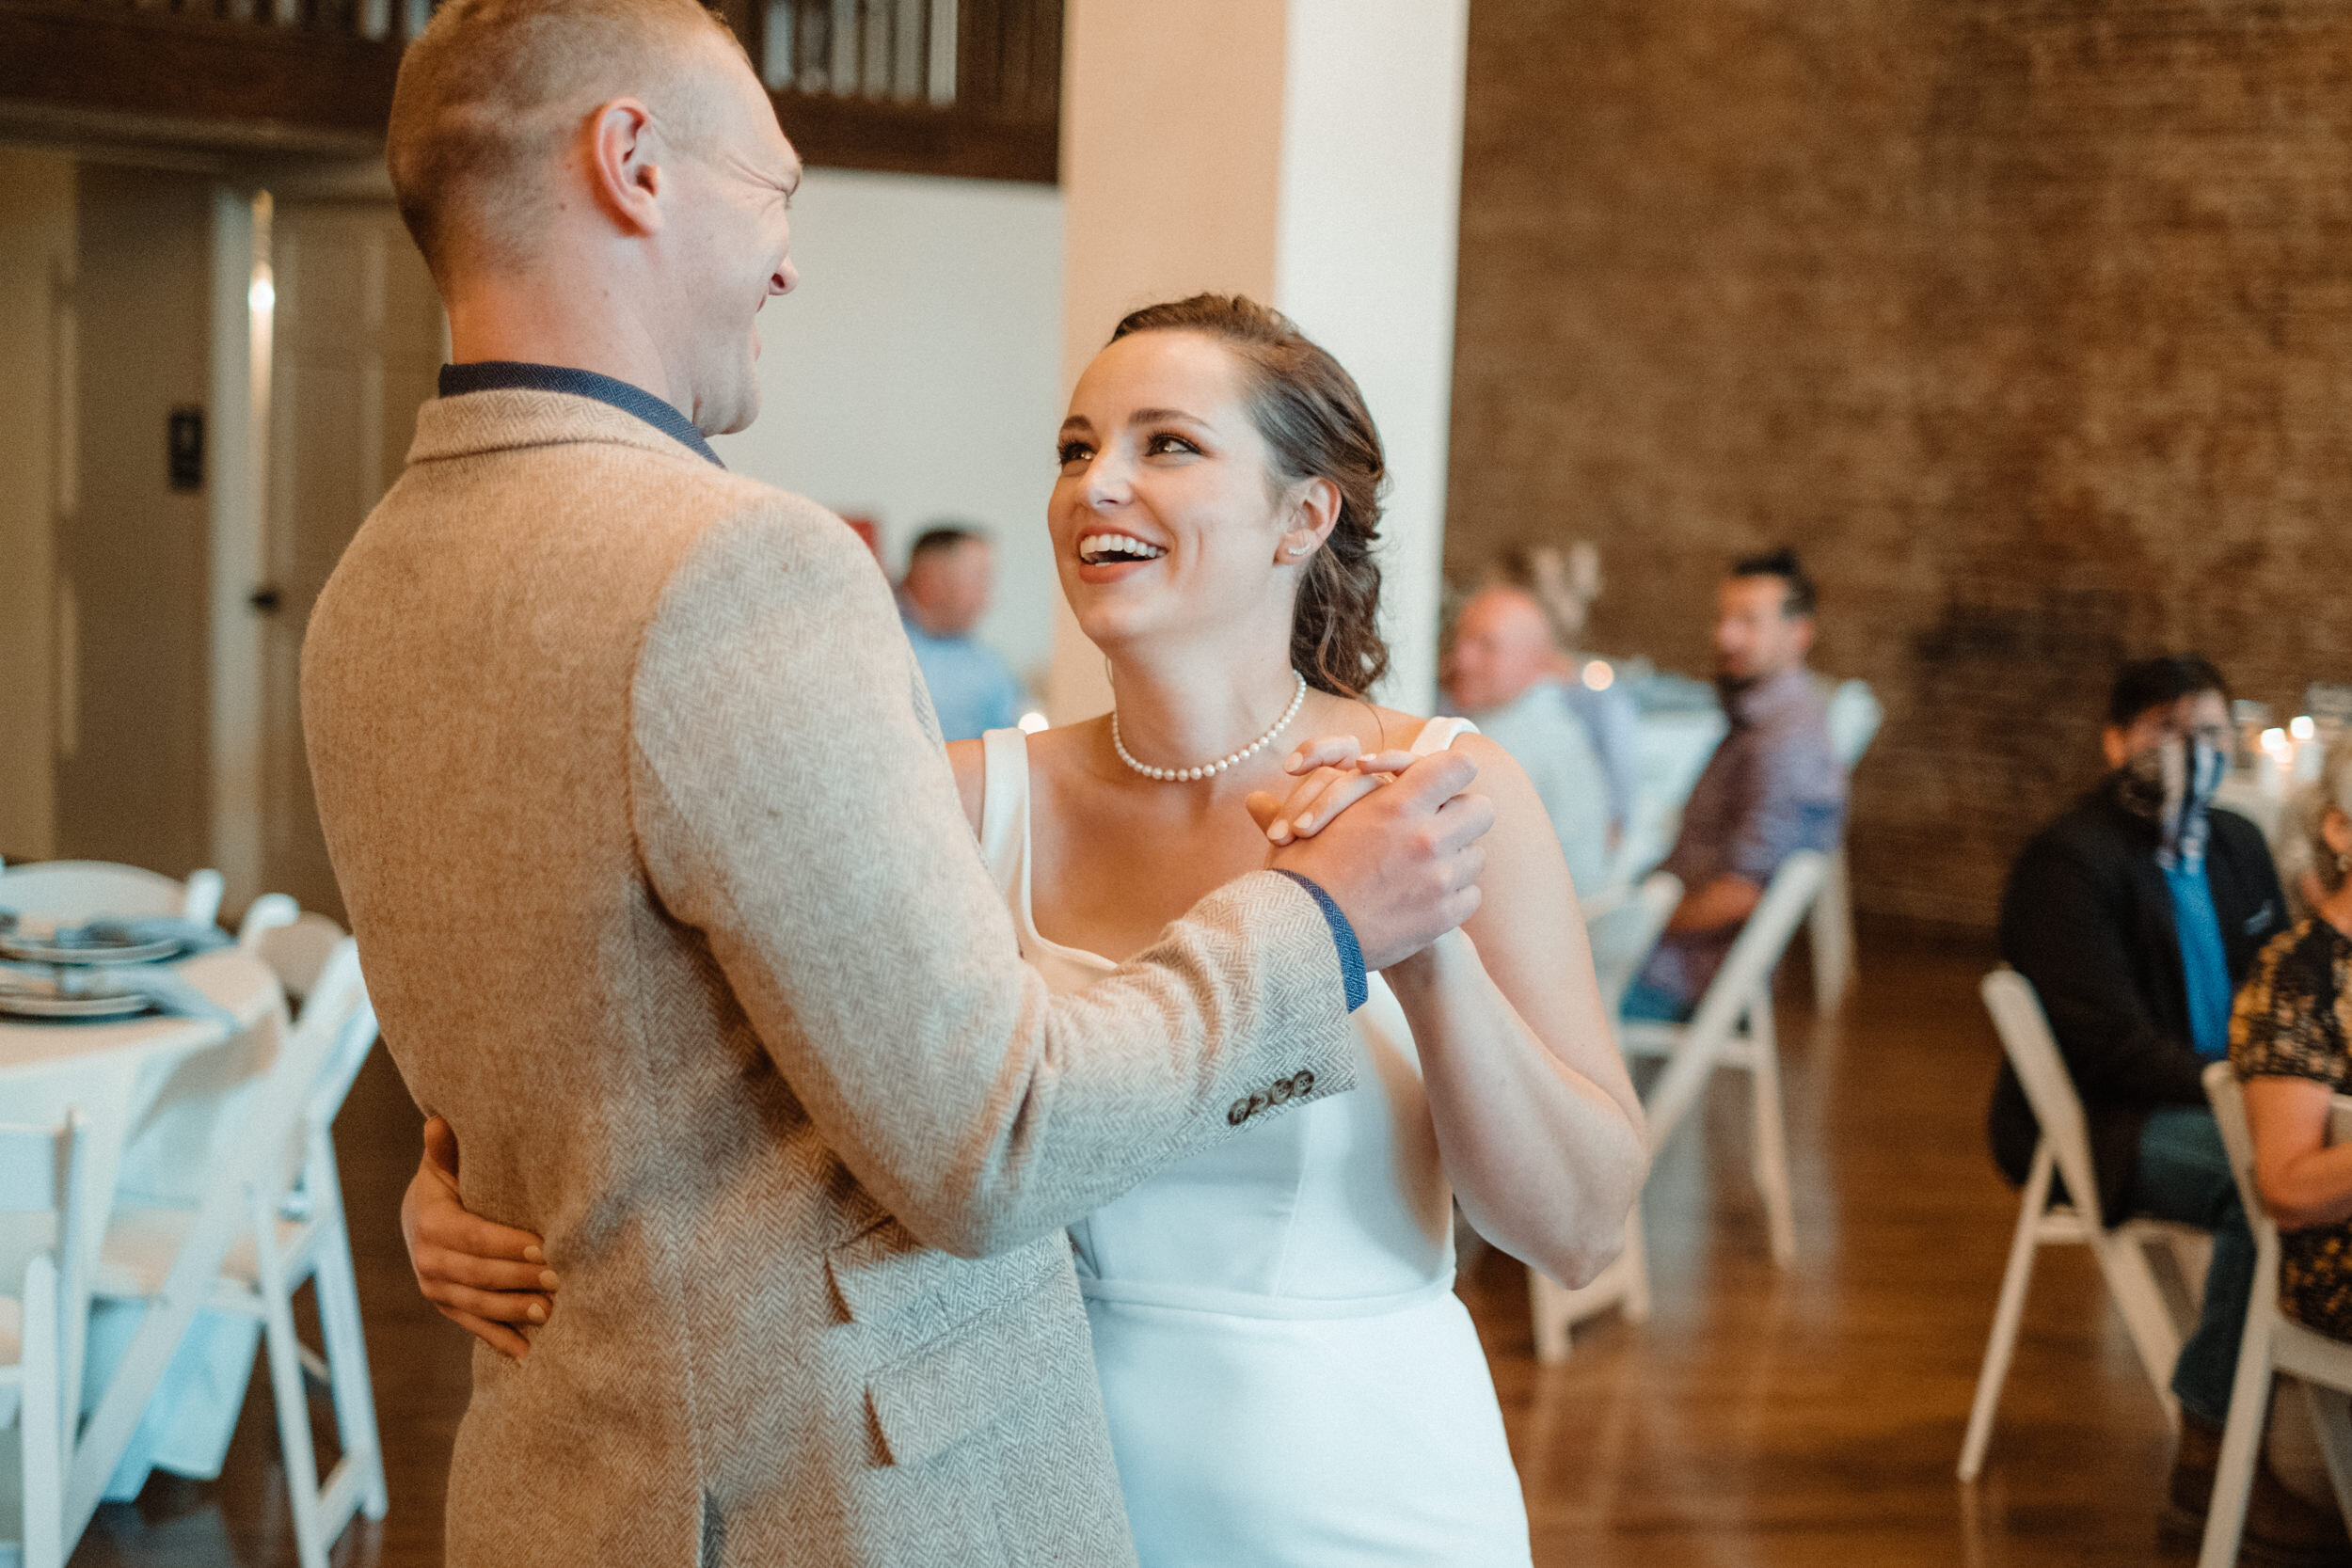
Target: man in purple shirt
[{"x": 1773, "y": 787}]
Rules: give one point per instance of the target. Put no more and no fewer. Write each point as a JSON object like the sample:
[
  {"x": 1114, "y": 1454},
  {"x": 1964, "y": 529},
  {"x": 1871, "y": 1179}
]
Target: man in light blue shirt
[
  {"x": 1612, "y": 722},
  {"x": 950, "y": 575},
  {"x": 1498, "y": 675}
]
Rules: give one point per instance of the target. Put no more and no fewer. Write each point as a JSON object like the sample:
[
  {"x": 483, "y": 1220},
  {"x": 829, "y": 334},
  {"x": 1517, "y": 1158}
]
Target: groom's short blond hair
[{"x": 491, "y": 91}]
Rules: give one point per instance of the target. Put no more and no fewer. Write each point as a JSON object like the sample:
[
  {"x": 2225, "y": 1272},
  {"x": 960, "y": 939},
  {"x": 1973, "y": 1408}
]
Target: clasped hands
[{"x": 1393, "y": 837}]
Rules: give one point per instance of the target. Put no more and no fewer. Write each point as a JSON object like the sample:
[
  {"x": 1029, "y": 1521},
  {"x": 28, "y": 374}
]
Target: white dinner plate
[
  {"x": 28, "y": 1004},
  {"x": 40, "y": 951}
]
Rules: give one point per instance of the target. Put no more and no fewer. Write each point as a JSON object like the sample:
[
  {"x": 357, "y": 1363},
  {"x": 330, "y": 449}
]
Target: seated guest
[
  {"x": 1499, "y": 674},
  {"x": 2289, "y": 1043},
  {"x": 1563, "y": 585},
  {"x": 1772, "y": 788},
  {"x": 950, "y": 575},
  {"x": 2134, "y": 915},
  {"x": 1612, "y": 722},
  {"x": 2300, "y": 848}
]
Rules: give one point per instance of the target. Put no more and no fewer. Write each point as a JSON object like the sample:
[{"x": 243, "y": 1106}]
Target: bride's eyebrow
[{"x": 1161, "y": 416}]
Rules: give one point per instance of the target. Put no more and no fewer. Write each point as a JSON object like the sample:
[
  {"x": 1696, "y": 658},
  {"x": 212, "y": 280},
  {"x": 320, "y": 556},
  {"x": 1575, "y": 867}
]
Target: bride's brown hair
[{"x": 1312, "y": 417}]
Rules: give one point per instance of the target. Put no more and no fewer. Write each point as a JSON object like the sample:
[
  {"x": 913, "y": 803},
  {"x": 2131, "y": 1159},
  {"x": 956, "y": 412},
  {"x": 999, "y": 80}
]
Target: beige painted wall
[
  {"x": 1172, "y": 155},
  {"x": 1170, "y": 170},
  {"x": 35, "y": 259},
  {"x": 135, "y": 785}
]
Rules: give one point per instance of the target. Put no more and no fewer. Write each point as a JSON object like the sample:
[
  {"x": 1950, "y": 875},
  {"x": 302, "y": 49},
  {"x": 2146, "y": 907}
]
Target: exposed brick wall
[{"x": 2030, "y": 323}]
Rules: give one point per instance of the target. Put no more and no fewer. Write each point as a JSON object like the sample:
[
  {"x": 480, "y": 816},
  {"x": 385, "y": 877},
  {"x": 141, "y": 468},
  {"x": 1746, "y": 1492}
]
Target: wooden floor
[{"x": 1762, "y": 1416}]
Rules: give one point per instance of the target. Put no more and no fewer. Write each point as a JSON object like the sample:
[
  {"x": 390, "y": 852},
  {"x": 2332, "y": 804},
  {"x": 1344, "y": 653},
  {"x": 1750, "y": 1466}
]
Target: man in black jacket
[{"x": 2135, "y": 914}]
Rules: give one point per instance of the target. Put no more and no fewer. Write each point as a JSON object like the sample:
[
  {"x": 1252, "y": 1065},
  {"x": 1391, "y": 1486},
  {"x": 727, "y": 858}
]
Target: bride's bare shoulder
[
  {"x": 1393, "y": 729},
  {"x": 1500, "y": 778},
  {"x": 1050, "y": 751}
]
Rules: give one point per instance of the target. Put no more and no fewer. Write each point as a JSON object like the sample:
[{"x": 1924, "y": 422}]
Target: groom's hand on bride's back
[
  {"x": 491, "y": 1280},
  {"x": 1393, "y": 839}
]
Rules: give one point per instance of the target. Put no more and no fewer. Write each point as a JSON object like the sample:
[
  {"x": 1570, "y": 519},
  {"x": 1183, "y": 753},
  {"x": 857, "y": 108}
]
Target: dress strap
[
  {"x": 1439, "y": 734},
  {"x": 1005, "y": 807}
]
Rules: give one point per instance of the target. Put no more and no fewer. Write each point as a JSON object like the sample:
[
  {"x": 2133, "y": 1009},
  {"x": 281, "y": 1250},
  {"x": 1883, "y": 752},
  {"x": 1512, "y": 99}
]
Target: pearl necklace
[{"x": 1210, "y": 769}]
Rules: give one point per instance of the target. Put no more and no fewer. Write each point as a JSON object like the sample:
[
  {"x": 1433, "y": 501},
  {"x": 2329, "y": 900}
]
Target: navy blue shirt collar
[{"x": 495, "y": 376}]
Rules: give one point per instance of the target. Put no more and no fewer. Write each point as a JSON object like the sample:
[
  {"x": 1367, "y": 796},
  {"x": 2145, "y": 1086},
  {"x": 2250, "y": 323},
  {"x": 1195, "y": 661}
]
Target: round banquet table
[{"x": 158, "y": 1096}]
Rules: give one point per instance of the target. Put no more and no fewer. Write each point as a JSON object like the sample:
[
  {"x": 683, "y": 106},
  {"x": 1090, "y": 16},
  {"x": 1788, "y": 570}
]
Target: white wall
[{"x": 916, "y": 373}]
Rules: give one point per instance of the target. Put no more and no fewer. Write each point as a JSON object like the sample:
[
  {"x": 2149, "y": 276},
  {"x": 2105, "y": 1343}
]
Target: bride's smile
[{"x": 1178, "y": 539}]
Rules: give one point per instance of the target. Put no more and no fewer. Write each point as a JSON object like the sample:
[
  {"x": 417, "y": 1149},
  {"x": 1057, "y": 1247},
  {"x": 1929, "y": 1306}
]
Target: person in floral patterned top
[{"x": 2290, "y": 1042}]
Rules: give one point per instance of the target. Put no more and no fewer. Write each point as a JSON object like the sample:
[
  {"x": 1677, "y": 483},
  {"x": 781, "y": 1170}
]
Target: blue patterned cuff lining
[{"x": 1342, "y": 936}]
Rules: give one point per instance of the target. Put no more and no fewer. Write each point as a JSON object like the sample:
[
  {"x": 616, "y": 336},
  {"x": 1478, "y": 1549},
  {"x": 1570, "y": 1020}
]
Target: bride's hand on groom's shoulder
[{"x": 481, "y": 1275}]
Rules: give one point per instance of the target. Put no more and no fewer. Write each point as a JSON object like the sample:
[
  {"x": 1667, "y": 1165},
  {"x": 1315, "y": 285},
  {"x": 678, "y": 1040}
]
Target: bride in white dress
[{"x": 1288, "y": 1376}]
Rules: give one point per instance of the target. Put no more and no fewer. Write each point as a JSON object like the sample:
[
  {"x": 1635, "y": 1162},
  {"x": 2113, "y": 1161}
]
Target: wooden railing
[
  {"x": 935, "y": 86},
  {"x": 307, "y": 76},
  {"x": 939, "y": 87}
]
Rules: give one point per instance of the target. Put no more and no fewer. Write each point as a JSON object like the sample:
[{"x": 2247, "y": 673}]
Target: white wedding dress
[{"x": 1289, "y": 1377}]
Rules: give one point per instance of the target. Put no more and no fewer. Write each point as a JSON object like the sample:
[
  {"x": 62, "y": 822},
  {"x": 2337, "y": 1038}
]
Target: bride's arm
[{"x": 1537, "y": 1121}]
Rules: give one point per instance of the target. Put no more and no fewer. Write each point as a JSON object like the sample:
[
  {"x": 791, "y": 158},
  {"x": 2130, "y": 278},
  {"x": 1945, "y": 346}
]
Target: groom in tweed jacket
[{"x": 668, "y": 904}]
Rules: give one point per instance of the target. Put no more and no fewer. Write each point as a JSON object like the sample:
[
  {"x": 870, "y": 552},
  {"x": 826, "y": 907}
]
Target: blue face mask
[{"x": 2171, "y": 786}]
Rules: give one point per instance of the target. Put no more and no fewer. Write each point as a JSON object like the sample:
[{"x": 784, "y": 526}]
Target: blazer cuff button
[{"x": 1237, "y": 1114}]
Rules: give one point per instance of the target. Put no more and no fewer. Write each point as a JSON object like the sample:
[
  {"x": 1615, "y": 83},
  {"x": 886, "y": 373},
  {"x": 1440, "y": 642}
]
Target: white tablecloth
[{"x": 159, "y": 1096}]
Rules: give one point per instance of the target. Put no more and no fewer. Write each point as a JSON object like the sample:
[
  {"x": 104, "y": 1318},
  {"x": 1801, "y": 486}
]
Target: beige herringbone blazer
[{"x": 667, "y": 903}]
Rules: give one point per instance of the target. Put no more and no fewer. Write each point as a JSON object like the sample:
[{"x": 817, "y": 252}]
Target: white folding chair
[
  {"x": 81, "y": 890},
  {"x": 1733, "y": 1028},
  {"x": 2273, "y": 1342},
  {"x": 2121, "y": 1250},
  {"x": 1623, "y": 928},
  {"x": 290, "y": 1212},
  {"x": 294, "y": 942},
  {"x": 40, "y": 1172},
  {"x": 1671, "y": 750},
  {"x": 1854, "y": 715}
]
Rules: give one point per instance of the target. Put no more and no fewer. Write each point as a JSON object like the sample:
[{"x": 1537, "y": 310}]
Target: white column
[
  {"x": 1307, "y": 152},
  {"x": 1370, "y": 203}
]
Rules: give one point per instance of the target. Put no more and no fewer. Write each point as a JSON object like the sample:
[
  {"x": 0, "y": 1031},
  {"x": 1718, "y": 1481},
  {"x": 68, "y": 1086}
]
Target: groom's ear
[{"x": 623, "y": 170}]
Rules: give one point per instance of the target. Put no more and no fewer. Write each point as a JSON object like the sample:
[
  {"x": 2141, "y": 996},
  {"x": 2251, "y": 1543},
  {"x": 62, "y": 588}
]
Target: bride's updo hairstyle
[{"x": 1312, "y": 419}]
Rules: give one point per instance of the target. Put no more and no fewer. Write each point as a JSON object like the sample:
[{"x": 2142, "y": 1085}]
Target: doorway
[{"x": 355, "y": 340}]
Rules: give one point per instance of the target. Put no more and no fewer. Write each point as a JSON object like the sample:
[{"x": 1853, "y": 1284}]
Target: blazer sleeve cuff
[{"x": 1343, "y": 937}]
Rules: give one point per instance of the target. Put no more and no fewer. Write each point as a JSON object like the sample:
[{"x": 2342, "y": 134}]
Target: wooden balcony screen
[{"x": 968, "y": 88}]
